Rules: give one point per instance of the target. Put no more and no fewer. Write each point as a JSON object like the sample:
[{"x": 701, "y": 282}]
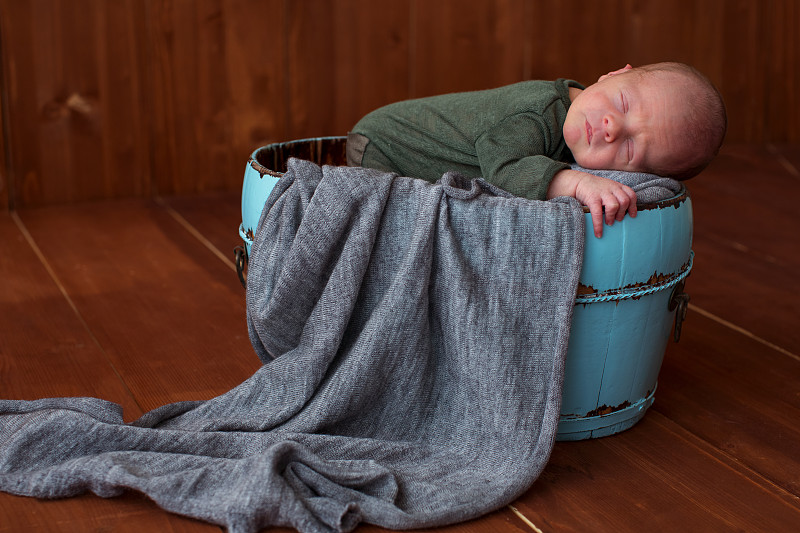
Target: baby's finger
[
  {"x": 622, "y": 208},
  {"x": 627, "y": 202},
  {"x": 612, "y": 206},
  {"x": 632, "y": 207},
  {"x": 596, "y": 210}
]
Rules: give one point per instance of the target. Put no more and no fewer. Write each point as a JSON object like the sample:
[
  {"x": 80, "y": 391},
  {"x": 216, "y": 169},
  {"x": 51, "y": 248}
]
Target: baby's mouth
[{"x": 588, "y": 133}]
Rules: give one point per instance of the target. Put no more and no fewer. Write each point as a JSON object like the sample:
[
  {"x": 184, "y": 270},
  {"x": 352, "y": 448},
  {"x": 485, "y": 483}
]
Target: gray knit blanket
[
  {"x": 648, "y": 187},
  {"x": 414, "y": 337}
]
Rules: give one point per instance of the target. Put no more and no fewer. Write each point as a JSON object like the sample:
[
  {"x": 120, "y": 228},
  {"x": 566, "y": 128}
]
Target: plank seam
[
  {"x": 724, "y": 458},
  {"x": 744, "y": 332},
  {"x": 46, "y": 264},
  {"x": 785, "y": 163},
  {"x": 195, "y": 232},
  {"x": 524, "y": 519}
]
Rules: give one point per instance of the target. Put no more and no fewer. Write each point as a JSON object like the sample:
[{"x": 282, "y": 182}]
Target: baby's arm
[{"x": 596, "y": 193}]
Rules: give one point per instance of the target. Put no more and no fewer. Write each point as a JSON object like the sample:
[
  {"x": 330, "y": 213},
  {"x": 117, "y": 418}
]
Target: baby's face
[{"x": 627, "y": 122}]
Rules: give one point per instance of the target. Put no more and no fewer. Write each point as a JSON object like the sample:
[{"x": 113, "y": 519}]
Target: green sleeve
[{"x": 514, "y": 155}]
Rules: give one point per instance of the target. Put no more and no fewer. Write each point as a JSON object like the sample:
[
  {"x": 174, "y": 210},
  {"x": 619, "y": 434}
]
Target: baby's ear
[{"x": 620, "y": 71}]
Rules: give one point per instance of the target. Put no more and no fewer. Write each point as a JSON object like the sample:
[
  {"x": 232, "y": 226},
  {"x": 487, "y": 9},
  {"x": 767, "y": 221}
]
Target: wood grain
[
  {"x": 577, "y": 40},
  {"x": 47, "y": 350},
  {"x": 789, "y": 156},
  {"x": 6, "y": 170},
  {"x": 656, "y": 477},
  {"x": 462, "y": 46},
  {"x": 216, "y": 216},
  {"x": 744, "y": 233},
  {"x": 166, "y": 311},
  {"x": 372, "y": 44},
  {"x": 344, "y": 59},
  {"x": 738, "y": 395},
  {"x": 46, "y": 347},
  {"x": 76, "y": 111},
  {"x": 218, "y": 91},
  {"x": 110, "y": 99}
]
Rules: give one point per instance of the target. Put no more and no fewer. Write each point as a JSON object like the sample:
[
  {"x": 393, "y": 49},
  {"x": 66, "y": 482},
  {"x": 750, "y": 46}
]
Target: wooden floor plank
[
  {"x": 746, "y": 198},
  {"x": 730, "y": 283},
  {"x": 501, "y": 521},
  {"x": 167, "y": 312},
  {"x": 739, "y": 396},
  {"x": 750, "y": 172},
  {"x": 215, "y": 215},
  {"x": 46, "y": 350},
  {"x": 789, "y": 156},
  {"x": 745, "y": 243},
  {"x": 129, "y": 513},
  {"x": 649, "y": 478}
]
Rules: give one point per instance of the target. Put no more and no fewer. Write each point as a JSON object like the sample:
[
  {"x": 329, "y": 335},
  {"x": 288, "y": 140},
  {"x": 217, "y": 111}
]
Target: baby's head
[{"x": 665, "y": 119}]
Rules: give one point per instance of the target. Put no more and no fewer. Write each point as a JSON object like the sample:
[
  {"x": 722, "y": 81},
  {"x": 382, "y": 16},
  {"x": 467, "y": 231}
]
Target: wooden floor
[{"x": 137, "y": 302}]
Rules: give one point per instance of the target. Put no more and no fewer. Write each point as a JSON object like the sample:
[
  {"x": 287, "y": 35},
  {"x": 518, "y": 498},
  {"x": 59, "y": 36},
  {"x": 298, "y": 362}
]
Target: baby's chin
[
  {"x": 589, "y": 164},
  {"x": 594, "y": 165}
]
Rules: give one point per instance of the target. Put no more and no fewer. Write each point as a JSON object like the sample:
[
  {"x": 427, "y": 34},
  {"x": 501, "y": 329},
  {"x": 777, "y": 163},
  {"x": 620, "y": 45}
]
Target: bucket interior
[{"x": 273, "y": 158}]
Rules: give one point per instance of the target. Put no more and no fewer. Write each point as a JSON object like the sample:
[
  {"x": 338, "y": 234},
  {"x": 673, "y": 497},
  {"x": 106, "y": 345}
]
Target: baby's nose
[{"x": 611, "y": 127}]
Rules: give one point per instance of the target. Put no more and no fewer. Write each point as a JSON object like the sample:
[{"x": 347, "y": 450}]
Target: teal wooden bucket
[
  {"x": 630, "y": 292},
  {"x": 631, "y": 287}
]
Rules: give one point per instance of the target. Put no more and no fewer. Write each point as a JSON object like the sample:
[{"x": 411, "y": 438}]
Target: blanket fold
[
  {"x": 413, "y": 336},
  {"x": 648, "y": 187}
]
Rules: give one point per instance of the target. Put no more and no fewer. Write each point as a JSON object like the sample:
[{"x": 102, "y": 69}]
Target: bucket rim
[{"x": 256, "y": 162}]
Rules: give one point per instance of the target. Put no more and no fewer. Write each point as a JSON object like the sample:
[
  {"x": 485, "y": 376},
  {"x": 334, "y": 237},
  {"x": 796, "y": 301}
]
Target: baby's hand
[{"x": 597, "y": 194}]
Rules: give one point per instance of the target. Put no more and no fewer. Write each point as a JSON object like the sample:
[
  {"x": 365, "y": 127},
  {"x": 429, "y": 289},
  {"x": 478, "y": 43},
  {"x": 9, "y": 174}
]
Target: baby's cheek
[
  {"x": 581, "y": 157},
  {"x": 591, "y": 159},
  {"x": 571, "y": 138},
  {"x": 600, "y": 159}
]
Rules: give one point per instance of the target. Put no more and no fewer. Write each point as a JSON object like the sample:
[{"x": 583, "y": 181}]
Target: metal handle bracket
[{"x": 678, "y": 302}]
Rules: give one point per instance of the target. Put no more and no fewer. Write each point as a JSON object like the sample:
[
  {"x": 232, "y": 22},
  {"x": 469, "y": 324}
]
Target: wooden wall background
[{"x": 117, "y": 98}]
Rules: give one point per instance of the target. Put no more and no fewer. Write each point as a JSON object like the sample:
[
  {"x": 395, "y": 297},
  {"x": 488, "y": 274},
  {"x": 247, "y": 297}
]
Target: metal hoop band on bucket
[{"x": 638, "y": 291}]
